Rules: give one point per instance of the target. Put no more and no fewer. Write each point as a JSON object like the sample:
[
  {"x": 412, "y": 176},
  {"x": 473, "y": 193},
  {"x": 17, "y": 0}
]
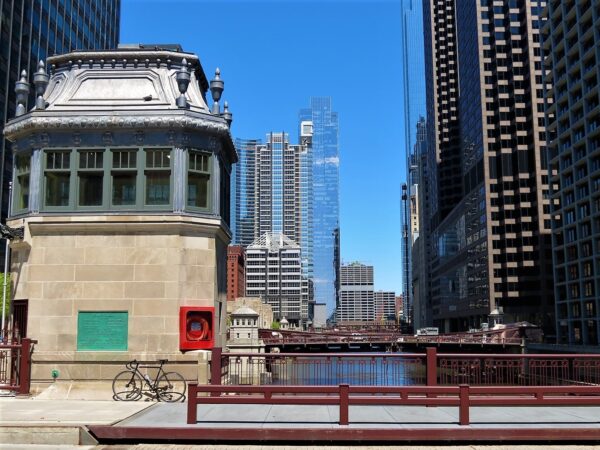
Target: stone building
[
  {"x": 264, "y": 310},
  {"x": 121, "y": 184}
]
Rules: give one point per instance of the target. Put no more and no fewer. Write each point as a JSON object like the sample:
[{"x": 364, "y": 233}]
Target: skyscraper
[
  {"x": 570, "y": 46},
  {"x": 273, "y": 273},
  {"x": 357, "y": 298},
  {"x": 325, "y": 182},
  {"x": 384, "y": 303},
  {"x": 490, "y": 238},
  {"x": 441, "y": 77},
  {"x": 273, "y": 192},
  {"x": 422, "y": 244},
  {"x": 244, "y": 192},
  {"x": 32, "y": 30},
  {"x": 413, "y": 108}
]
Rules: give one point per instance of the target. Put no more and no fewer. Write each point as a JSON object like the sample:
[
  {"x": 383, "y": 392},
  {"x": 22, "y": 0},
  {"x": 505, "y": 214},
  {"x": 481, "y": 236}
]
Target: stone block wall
[{"x": 147, "y": 266}]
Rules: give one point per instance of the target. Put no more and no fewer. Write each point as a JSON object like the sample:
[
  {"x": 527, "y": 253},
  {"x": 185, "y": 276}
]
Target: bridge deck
[{"x": 367, "y": 424}]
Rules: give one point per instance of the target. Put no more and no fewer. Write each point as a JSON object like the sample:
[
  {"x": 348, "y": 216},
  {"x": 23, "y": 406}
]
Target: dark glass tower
[
  {"x": 490, "y": 250},
  {"x": 325, "y": 175},
  {"x": 571, "y": 42},
  {"x": 32, "y": 30}
]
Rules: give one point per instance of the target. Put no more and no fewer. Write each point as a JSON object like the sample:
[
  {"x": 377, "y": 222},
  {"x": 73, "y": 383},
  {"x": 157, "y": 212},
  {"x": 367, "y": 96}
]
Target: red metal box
[{"x": 196, "y": 327}]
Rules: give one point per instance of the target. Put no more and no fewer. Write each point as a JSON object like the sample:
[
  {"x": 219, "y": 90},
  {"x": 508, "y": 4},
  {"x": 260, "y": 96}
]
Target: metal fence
[
  {"x": 404, "y": 369},
  {"x": 15, "y": 365}
]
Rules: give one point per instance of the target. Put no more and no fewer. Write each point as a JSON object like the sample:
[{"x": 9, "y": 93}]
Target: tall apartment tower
[
  {"x": 571, "y": 44},
  {"x": 274, "y": 274},
  {"x": 491, "y": 249},
  {"x": 441, "y": 75},
  {"x": 357, "y": 298},
  {"x": 277, "y": 180},
  {"x": 244, "y": 192},
  {"x": 273, "y": 191},
  {"x": 32, "y": 30},
  {"x": 325, "y": 182}
]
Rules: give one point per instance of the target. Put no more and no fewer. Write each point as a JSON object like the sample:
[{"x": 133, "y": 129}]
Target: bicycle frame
[
  {"x": 131, "y": 384},
  {"x": 135, "y": 366}
]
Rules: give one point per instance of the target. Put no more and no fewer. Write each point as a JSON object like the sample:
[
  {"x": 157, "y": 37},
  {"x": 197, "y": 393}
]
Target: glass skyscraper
[
  {"x": 272, "y": 191},
  {"x": 243, "y": 192},
  {"x": 32, "y": 30},
  {"x": 325, "y": 182},
  {"x": 413, "y": 80}
]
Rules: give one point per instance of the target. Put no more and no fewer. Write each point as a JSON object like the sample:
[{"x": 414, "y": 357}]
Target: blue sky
[{"x": 275, "y": 55}]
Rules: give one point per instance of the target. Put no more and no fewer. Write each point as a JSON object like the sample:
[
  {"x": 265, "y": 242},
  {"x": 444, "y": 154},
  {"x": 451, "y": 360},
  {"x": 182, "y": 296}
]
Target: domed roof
[
  {"x": 244, "y": 311},
  {"x": 283, "y": 320}
]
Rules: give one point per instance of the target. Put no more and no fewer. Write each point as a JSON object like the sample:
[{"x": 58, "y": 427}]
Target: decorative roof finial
[
  {"x": 22, "y": 91},
  {"x": 227, "y": 114},
  {"x": 216, "y": 89},
  {"x": 40, "y": 80},
  {"x": 183, "y": 80}
]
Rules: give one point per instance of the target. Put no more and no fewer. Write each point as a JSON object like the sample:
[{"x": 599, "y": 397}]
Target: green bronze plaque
[{"x": 102, "y": 331}]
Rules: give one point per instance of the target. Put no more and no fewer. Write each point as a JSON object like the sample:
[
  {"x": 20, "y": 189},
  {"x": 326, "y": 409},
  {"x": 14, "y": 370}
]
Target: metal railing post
[
  {"x": 192, "y": 406},
  {"x": 25, "y": 367},
  {"x": 463, "y": 408},
  {"x": 344, "y": 400},
  {"x": 431, "y": 366},
  {"x": 215, "y": 366}
]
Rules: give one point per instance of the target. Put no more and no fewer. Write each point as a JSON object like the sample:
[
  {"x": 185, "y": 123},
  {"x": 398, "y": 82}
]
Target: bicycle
[{"x": 131, "y": 384}]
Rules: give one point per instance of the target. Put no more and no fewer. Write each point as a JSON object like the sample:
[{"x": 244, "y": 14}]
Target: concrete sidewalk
[
  {"x": 64, "y": 423},
  {"x": 308, "y": 424},
  {"x": 52, "y": 422}
]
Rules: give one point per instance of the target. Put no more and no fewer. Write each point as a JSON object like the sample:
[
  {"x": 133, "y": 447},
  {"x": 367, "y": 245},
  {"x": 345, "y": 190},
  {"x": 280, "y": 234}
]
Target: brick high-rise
[{"x": 236, "y": 272}]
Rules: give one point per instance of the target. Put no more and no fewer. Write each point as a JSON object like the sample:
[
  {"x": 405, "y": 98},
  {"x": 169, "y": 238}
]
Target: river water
[{"x": 362, "y": 369}]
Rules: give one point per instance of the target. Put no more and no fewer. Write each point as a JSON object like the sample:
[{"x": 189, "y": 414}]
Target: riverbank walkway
[{"x": 87, "y": 422}]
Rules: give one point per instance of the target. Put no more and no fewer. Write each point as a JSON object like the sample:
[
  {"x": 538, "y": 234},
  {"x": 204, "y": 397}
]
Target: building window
[
  {"x": 23, "y": 169},
  {"x": 124, "y": 177},
  {"x": 198, "y": 185},
  {"x": 91, "y": 177},
  {"x": 158, "y": 177},
  {"x": 224, "y": 195},
  {"x": 57, "y": 178}
]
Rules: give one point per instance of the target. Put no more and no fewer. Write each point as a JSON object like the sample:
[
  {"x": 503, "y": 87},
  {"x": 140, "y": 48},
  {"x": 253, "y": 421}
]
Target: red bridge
[{"x": 393, "y": 340}]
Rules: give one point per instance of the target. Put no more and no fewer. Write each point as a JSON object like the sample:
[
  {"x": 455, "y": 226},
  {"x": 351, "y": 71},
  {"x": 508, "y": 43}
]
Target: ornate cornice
[{"x": 14, "y": 130}]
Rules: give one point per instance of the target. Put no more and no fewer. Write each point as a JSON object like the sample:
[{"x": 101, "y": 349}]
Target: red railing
[
  {"x": 15, "y": 366},
  {"x": 391, "y": 338},
  {"x": 344, "y": 395},
  {"x": 397, "y": 369}
]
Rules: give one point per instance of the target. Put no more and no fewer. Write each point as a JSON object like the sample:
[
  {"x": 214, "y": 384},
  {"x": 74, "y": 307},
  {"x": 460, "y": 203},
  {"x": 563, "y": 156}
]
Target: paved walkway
[
  {"x": 173, "y": 415},
  {"x": 39, "y": 419},
  {"x": 368, "y": 424},
  {"x": 34, "y": 411}
]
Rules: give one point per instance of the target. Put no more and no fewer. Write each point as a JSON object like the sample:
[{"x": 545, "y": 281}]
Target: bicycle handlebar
[{"x": 133, "y": 365}]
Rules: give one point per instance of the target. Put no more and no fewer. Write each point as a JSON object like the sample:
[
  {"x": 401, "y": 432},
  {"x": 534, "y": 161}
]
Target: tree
[{"x": 8, "y": 293}]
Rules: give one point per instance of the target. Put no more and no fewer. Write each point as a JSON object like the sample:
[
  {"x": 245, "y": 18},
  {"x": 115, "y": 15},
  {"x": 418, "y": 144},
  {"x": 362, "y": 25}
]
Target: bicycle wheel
[
  {"x": 170, "y": 387},
  {"x": 127, "y": 386}
]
